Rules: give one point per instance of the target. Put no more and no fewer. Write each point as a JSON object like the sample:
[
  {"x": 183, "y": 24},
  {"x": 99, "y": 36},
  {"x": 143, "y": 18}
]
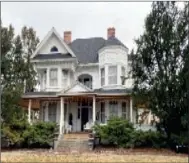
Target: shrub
[
  {"x": 121, "y": 132},
  {"x": 21, "y": 134},
  {"x": 14, "y": 131},
  {"x": 40, "y": 134},
  {"x": 118, "y": 131},
  {"x": 148, "y": 139}
]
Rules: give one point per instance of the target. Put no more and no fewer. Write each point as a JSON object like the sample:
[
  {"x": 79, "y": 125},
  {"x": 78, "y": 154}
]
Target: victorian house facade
[{"x": 81, "y": 81}]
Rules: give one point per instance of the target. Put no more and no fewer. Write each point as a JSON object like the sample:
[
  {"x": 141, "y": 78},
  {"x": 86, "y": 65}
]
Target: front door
[{"x": 84, "y": 117}]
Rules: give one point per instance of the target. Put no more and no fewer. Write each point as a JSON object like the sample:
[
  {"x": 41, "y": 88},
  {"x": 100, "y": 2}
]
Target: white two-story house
[{"x": 81, "y": 80}]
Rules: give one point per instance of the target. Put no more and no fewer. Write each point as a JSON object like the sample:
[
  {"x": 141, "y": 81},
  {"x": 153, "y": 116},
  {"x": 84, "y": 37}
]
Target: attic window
[{"x": 54, "y": 49}]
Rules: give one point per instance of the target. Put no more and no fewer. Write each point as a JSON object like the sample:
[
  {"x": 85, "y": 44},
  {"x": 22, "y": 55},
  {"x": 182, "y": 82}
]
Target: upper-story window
[
  {"x": 123, "y": 75},
  {"x": 86, "y": 80},
  {"x": 54, "y": 49},
  {"x": 53, "y": 77},
  {"x": 65, "y": 77},
  {"x": 102, "y": 76},
  {"x": 112, "y": 75}
]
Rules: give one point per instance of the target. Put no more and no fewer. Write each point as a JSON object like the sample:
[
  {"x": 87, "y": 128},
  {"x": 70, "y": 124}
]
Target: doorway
[{"x": 84, "y": 117}]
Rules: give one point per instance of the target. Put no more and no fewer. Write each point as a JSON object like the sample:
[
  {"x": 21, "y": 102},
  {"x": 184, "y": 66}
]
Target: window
[
  {"x": 102, "y": 112},
  {"x": 102, "y": 76},
  {"x": 53, "y": 77},
  {"x": 112, "y": 75},
  {"x": 124, "y": 110},
  {"x": 113, "y": 105},
  {"x": 52, "y": 112},
  {"x": 123, "y": 75},
  {"x": 65, "y": 77},
  {"x": 54, "y": 49}
]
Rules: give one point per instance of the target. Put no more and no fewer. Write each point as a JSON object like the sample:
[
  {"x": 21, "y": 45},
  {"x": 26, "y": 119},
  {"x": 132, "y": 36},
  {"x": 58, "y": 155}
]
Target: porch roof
[
  {"x": 97, "y": 92},
  {"x": 113, "y": 91},
  {"x": 39, "y": 94}
]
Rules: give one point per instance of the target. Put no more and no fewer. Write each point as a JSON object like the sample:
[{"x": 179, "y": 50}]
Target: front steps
[{"x": 77, "y": 142}]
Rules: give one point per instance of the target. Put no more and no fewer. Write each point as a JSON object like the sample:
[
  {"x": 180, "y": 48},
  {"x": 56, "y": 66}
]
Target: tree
[
  {"x": 16, "y": 68},
  {"x": 29, "y": 43},
  {"x": 158, "y": 65}
]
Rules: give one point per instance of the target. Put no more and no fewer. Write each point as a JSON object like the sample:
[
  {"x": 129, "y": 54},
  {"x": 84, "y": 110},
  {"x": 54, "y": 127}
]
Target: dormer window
[{"x": 54, "y": 49}]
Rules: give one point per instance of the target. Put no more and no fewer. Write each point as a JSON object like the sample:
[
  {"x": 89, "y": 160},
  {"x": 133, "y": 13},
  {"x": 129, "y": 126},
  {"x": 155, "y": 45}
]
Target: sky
[{"x": 84, "y": 19}]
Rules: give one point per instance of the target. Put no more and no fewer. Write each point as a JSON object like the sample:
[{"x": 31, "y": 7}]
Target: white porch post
[
  {"x": 29, "y": 110},
  {"x": 131, "y": 109},
  {"x": 149, "y": 117},
  {"x": 61, "y": 114},
  {"x": 94, "y": 109}
]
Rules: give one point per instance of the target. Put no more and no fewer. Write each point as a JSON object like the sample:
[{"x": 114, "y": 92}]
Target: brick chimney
[
  {"x": 110, "y": 32},
  {"x": 68, "y": 37}
]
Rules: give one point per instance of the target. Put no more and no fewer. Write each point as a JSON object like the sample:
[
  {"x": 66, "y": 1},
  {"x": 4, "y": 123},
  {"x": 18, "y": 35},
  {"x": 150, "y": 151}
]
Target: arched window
[
  {"x": 54, "y": 49},
  {"x": 86, "y": 80}
]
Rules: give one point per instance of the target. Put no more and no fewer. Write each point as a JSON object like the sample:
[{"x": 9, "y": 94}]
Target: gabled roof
[{"x": 50, "y": 33}]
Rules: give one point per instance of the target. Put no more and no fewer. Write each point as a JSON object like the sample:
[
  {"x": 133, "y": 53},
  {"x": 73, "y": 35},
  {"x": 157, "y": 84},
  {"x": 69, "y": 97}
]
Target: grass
[{"x": 24, "y": 156}]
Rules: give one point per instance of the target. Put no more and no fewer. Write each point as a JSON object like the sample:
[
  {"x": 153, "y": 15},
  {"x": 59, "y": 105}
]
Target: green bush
[
  {"x": 14, "y": 131},
  {"x": 121, "y": 132},
  {"x": 148, "y": 139},
  {"x": 22, "y": 134},
  {"x": 118, "y": 131},
  {"x": 40, "y": 134}
]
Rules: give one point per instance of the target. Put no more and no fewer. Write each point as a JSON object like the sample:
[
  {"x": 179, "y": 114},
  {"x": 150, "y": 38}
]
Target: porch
[{"x": 75, "y": 113}]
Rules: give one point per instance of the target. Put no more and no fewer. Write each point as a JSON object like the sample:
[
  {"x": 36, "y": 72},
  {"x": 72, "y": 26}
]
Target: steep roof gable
[{"x": 44, "y": 41}]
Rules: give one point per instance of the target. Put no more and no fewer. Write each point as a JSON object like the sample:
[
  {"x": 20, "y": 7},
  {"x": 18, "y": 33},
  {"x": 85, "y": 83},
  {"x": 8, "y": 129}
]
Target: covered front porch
[{"x": 75, "y": 113}]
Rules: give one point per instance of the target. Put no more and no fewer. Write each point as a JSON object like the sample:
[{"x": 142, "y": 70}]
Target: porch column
[
  {"x": 149, "y": 117},
  {"x": 29, "y": 110},
  {"x": 131, "y": 109},
  {"x": 61, "y": 114},
  {"x": 94, "y": 109}
]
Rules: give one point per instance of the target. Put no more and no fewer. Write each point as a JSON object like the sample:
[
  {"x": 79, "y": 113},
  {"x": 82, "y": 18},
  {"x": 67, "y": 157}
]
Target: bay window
[
  {"x": 102, "y": 76},
  {"x": 112, "y": 75},
  {"x": 53, "y": 77}
]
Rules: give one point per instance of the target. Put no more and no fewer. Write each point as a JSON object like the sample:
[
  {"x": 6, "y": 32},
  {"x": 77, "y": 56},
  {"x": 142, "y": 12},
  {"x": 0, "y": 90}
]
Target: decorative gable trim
[
  {"x": 52, "y": 31},
  {"x": 87, "y": 89}
]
